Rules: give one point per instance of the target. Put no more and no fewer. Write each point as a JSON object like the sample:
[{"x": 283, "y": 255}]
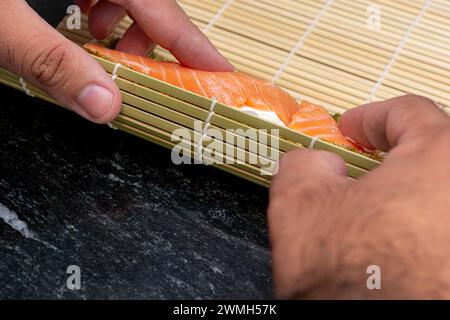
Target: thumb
[
  {"x": 34, "y": 50},
  {"x": 300, "y": 189},
  {"x": 299, "y": 215},
  {"x": 301, "y": 167}
]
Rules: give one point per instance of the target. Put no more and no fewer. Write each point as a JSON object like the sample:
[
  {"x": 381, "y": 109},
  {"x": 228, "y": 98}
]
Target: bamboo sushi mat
[{"x": 337, "y": 53}]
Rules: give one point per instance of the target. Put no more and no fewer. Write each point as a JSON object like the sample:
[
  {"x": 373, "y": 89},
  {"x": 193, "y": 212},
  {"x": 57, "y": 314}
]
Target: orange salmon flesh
[{"x": 236, "y": 89}]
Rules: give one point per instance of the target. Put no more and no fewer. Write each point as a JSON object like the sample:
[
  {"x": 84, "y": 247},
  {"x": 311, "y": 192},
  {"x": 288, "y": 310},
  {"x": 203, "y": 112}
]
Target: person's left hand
[
  {"x": 160, "y": 22},
  {"x": 33, "y": 50}
]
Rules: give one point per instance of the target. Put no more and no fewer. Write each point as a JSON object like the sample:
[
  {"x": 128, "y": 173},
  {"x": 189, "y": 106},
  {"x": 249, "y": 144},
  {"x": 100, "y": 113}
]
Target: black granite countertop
[{"x": 137, "y": 225}]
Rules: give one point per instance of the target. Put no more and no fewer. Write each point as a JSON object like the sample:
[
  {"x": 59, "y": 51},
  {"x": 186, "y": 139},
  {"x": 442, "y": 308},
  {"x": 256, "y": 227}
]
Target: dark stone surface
[
  {"x": 137, "y": 225},
  {"x": 51, "y": 10}
]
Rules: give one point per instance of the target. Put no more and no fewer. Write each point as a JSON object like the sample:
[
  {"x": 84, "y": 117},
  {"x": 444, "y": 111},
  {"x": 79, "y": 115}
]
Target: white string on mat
[
  {"x": 111, "y": 126},
  {"x": 398, "y": 50},
  {"x": 205, "y": 128},
  {"x": 218, "y": 15},
  {"x": 302, "y": 40},
  {"x": 313, "y": 142},
  {"x": 115, "y": 70},
  {"x": 25, "y": 88},
  {"x": 114, "y": 77}
]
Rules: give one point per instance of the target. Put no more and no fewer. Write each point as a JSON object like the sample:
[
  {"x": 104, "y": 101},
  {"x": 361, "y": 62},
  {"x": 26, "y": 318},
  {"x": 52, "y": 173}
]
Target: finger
[
  {"x": 85, "y": 5},
  {"x": 135, "y": 41},
  {"x": 305, "y": 179},
  {"x": 383, "y": 125},
  {"x": 298, "y": 165},
  {"x": 299, "y": 214},
  {"x": 104, "y": 18},
  {"x": 32, "y": 49},
  {"x": 166, "y": 23}
]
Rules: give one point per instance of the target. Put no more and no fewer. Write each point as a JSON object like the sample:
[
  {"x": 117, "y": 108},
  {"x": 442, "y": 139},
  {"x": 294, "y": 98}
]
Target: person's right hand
[
  {"x": 326, "y": 230},
  {"x": 33, "y": 50}
]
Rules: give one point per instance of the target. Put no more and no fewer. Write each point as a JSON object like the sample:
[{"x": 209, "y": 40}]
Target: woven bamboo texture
[{"x": 339, "y": 54}]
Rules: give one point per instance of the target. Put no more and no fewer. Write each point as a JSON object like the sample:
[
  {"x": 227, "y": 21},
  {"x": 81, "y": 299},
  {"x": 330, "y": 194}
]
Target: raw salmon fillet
[
  {"x": 230, "y": 88},
  {"x": 235, "y": 89},
  {"x": 315, "y": 121}
]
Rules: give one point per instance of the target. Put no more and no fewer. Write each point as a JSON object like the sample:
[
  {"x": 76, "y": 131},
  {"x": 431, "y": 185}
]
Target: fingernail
[{"x": 95, "y": 100}]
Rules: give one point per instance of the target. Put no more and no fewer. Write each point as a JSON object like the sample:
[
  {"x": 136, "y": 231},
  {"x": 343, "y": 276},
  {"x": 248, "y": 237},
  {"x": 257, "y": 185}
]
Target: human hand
[
  {"x": 325, "y": 230},
  {"x": 32, "y": 49}
]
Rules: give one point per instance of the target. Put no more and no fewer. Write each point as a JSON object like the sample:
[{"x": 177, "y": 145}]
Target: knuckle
[
  {"x": 410, "y": 109},
  {"x": 46, "y": 66},
  {"x": 417, "y": 100},
  {"x": 310, "y": 192},
  {"x": 418, "y": 113},
  {"x": 412, "y": 102},
  {"x": 314, "y": 190},
  {"x": 296, "y": 177}
]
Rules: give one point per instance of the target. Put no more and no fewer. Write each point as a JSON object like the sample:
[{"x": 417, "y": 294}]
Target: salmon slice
[
  {"x": 238, "y": 90},
  {"x": 315, "y": 121},
  {"x": 231, "y": 88}
]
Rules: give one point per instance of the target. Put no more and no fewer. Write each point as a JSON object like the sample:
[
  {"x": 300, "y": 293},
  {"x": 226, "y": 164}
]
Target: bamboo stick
[
  {"x": 130, "y": 116},
  {"x": 400, "y": 72},
  {"x": 337, "y": 66},
  {"x": 252, "y": 8}
]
